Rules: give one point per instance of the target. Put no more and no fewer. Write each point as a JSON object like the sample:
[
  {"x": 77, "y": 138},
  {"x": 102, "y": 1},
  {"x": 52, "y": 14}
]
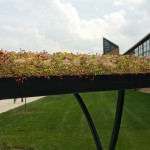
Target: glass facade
[
  {"x": 108, "y": 46},
  {"x": 143, "y": 49}
]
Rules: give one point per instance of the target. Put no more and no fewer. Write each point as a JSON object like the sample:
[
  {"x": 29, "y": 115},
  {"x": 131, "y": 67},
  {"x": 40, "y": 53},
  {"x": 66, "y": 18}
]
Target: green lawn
[{"x": 57, "y": 122}]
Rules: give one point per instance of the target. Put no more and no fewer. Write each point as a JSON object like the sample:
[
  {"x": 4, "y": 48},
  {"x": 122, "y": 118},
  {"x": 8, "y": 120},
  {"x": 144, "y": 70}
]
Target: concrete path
[
  {"x": 145, "y": 90},
  {"x": 8, "y": 104}
]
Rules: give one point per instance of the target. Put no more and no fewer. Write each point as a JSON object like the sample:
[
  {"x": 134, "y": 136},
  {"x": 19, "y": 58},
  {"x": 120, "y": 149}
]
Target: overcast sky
[{"x": 72, "y": 25}]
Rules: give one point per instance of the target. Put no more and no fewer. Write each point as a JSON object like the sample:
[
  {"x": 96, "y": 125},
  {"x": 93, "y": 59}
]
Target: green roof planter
[
  {"x": 36, "y": 74},
  {"x": 26, "y": 74},
  {"x": 29, "y": 64}
]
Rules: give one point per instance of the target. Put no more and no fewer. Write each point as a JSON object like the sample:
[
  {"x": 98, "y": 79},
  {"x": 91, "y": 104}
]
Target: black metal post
[
  {"x": 90, "y": 122},
  {"x": 15, "y": 100},
  {"x": 117, "y": 122}
]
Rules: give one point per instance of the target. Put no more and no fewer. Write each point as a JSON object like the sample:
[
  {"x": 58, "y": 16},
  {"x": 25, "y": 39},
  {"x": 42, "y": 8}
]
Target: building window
[
  {"x": 108, "y": 46},
  {"x": 143, "y": 49},
  {"x": 147, "y": 48},
  {"x": 148, "y": 45},
  {"x": 136, "y": 51},
  {"x": 140, "y": 50},
  {"x": 147, "y": 53}
]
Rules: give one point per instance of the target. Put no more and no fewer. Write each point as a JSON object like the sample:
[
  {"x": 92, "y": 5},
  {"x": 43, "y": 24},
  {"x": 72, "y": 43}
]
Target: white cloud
[
  {"x": 140, "y": 21},
  {"x": 138, "y": 3},
  {"x": 118, "y": 2},
  {"x": 56, "y": 26},
  {"x": 90, "y": 31}
]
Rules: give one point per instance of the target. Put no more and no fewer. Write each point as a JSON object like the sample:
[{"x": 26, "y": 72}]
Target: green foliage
[
  {"x": 57, "y": 122},
  {"x": 26, "y": 64}
]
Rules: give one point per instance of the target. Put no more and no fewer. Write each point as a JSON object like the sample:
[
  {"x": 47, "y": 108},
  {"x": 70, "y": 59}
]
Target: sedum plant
[{"x": 28, "y": 64}]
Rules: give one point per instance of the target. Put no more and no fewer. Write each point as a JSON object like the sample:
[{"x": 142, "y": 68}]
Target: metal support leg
[
  {"x": 117, "y": 121},
  {"x": 90, "y": 122}
]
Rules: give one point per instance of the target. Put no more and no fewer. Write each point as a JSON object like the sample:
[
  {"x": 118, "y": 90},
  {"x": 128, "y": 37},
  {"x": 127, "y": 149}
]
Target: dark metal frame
[
  {"x": 39, "y": 86},
  {"x": 90, "y": 121},
  {"x": 117, "y": 121},
  {"x": 35, "y": 86}
]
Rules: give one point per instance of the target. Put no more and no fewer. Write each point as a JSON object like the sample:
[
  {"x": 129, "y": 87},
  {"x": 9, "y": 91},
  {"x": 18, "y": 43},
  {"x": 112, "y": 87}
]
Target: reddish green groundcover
[{"x": 28, "y": 64}]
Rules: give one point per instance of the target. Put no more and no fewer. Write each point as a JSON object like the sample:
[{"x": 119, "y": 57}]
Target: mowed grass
[{"x": 57, "y": 122}]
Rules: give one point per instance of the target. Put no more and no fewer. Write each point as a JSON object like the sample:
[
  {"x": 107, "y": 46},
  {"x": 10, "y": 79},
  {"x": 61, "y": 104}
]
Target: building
[
  {"x": 141, "y": 48},
  {"x": 110, "y": 47}
]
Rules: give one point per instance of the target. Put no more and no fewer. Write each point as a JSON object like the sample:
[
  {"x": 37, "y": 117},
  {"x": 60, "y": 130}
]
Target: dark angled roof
[
  {"x": 108, "y": 46},
  {"x": 138, "y": 43}
]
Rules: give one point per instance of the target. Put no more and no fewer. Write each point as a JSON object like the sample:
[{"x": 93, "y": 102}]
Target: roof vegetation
[{"x": 27, "y": 64}]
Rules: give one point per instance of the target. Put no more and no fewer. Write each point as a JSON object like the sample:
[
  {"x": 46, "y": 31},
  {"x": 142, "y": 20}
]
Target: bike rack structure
[
  {"x": 41, "y": 86},
  {"x": 117, "y": 122}
]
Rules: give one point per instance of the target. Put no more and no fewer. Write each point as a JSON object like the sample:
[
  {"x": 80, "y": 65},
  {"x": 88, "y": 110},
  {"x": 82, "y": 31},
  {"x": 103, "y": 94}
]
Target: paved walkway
[
  {"x": 8, "y": 104},
  {"x": 145, "y": 90}
]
